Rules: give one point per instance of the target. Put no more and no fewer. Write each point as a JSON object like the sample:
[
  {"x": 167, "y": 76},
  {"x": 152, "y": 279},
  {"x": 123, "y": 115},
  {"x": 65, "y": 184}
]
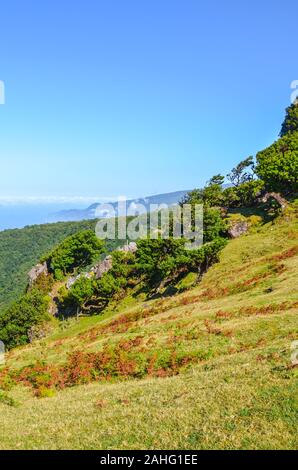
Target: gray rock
[
  {"x": 71, "y": 280},
  {"x": 36, "y": 272},
  {"x": 238, "y": 228},
  {"x": 103, "y": 267},
  {"x": 38, "y": 332},
  {"x": 130, "y": 248}
]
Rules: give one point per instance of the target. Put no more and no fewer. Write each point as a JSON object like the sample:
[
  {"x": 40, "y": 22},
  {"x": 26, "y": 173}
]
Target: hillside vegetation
[
  {"x": 160, "y": 346},
  {"x": 216, "y": 363},
  {"x": 20, "y": 249}
]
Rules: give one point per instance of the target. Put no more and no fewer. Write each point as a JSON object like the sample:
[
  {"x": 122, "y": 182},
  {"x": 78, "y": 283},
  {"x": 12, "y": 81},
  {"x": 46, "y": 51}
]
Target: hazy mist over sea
[{"x": 20, "y": 215}]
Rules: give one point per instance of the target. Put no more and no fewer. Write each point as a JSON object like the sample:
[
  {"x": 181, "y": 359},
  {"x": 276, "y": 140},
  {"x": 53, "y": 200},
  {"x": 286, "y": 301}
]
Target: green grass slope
[{"x": 207, "y": 369}]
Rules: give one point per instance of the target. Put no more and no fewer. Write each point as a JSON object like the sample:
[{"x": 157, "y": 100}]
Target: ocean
[{"x": 20, "y": 215}]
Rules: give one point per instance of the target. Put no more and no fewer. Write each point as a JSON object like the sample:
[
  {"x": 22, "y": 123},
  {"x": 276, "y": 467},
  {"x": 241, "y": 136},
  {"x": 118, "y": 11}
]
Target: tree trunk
[{"x": 278, "y": 198}]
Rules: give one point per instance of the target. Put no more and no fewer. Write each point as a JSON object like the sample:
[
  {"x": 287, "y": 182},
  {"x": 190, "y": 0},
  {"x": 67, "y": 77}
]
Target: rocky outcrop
[
  {"x": 36, "y": 272},
  {"x": 97, "y": 271},
  {"x": 132, "y": 247},
  {"x": 238, "y": 228},
  {"x": 103, "y": 267},
  {"x": 38, "y": 332},
  {"x": 71, "y": 280}
]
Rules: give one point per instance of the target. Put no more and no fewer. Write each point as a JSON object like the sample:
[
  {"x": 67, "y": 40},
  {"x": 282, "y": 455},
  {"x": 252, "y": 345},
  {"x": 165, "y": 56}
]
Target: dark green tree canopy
[
  {"x": 277, "y": 165},
  {"x": 216, "y": 179},
  {"x": 163, "y": 258},
  {"x": 75, "y": 252},
  {"x": 21, "y": 316},
  {"x": 290, "y": 123}
]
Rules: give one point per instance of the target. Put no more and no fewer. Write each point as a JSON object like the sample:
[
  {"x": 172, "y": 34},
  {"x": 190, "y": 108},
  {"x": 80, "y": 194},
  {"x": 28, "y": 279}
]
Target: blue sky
[{"x": 138, "y": 97}]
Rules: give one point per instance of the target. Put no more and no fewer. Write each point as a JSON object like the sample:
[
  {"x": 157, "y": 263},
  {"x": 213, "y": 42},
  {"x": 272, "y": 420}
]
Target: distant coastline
[
  {"x": 14, "y": 216},
  {"x": 17, "y": 215}
]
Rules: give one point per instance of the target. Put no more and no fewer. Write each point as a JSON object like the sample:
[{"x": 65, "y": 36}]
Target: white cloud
[{"x": 38, "y": 200}]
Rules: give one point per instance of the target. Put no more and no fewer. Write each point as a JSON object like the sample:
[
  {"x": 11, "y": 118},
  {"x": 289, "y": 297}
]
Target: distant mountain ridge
[{"x": 95, "y": 211}]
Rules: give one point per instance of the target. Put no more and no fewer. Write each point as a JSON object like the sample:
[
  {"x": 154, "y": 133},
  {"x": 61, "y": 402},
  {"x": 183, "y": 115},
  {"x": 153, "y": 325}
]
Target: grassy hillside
[{"x": 207, "y": 369}]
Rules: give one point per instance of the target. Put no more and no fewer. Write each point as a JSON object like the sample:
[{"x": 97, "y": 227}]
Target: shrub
[
  {"x": 244, "y": 195},
  {"x": 277, "y": 165},
  {"x": 7, "y": 400},
  {"x": 123, "y": 265},
  {"x": 168, "y": 258},
  {"x": 214, "y": 226},
  {"x": 290, "y": 123},
  {"x": 17, "y": 321},
  {"x": 80, "y": 292},
  {"x": 210, "y": 197},
  {"x": 89, "y": 295},
  {"x": 45, "y": 392},
  {"x": 75, "y": 252},
  {"x": 254, "y": 220},
  {"x": 43, "y": 283}
]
